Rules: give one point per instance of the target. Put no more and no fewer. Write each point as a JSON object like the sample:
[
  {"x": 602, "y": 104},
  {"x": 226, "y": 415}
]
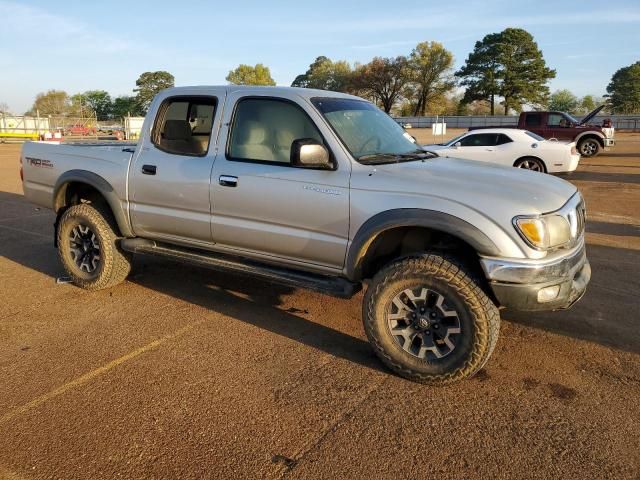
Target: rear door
[
  {"x": 263, "y": 206},
  {"x": 534, "y": 122},
  {"x": 170, "y": 177}
]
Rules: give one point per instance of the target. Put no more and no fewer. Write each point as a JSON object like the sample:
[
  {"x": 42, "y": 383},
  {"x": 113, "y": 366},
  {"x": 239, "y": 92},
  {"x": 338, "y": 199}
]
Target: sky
[{"x": 83, "y": 45}]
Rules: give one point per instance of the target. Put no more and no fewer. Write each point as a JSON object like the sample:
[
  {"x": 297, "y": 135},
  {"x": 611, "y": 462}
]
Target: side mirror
[
  {"x": 309, "y": 153},
  {"x": 457, "y": 145}
]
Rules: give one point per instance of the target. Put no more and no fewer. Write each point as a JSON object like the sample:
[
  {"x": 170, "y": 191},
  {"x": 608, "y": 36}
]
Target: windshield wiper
[{"x": 381, "y": 158}]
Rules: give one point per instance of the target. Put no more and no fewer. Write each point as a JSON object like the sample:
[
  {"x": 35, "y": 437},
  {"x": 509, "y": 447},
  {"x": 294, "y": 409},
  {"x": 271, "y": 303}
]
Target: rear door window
[
  {"x": 533, "y": 119},
  {"x": 184, "y": 124},
  {"x": 502, "y": 139},
  {"x": 479, "y": 140}
]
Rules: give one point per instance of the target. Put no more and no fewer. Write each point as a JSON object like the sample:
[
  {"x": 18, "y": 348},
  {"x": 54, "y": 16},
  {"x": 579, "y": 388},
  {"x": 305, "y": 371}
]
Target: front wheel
[
  {"x": 429, "y": 321},
  {"x": 589, "y": 147}
]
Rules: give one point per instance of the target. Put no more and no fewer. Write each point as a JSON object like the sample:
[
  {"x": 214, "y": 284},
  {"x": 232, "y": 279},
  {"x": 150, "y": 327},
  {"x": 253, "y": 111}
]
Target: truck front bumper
[
  {"x": 608, "y": 143},
  {"x": 538, "y": 284}
]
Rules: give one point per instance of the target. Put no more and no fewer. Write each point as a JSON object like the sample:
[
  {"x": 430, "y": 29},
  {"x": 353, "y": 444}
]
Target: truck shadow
[
  {"x": 606, "y": 315},
  {"x": 585, "y": 176},
  {"x": 255, "y": 302},
  {"x": 617, "y": 229}
]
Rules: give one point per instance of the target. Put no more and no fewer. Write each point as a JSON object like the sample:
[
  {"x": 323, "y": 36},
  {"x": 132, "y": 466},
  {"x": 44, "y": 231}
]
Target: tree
[
  {"x": 79, "y": 107},
  {"x": 507, "y": 64},
  {"x": 53, "y": 102},
  {"x": 524, "y": 73},
  {"x": 324, "y": 74},
  {"x": 149, "y": 84},
  {"x": 302, "y": 80},
  {"x": 480, "y": 72},
  {"x": 248, "y": 75},
  {"x": 563, "y": 101},
  {"x": 4, "y": 108},
  {"x": 124, "y": 106},
  {"x": 382, "y": 79},
  {"x": 624, "y": 90},
  {"x": 587, "y": 104},
  {"x": 100, "y": 102},
  {"x": 477, "y": 107},
  {"x": 429, "y": 68}
]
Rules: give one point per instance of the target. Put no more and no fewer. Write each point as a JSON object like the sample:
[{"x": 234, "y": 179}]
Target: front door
[
  {"x": 476, "y": 146},
  {"x": 263, "y": 206},
  {"x": 170, "y": 177},
  {"x": 558, "y": 127}
]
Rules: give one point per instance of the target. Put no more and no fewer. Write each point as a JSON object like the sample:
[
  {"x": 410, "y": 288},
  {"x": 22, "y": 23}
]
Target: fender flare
[
  {"x": 102, "y": 186},
  {"x": 590, "y": 133},
  {"x": 413, "y": 217}
]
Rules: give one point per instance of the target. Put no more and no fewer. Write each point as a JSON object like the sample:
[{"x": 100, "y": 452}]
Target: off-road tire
[
  {"x": 479, "y": 318},
  {"x": 114, "y": 263},
  {"x": 589, "y": 147}
]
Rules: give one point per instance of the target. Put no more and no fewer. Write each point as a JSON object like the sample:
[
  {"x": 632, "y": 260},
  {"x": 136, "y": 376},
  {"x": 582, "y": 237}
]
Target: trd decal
[{"x": 37, "y": 162}]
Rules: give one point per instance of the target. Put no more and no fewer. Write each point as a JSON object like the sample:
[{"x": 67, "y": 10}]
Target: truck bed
[{"x": 43, "y": 163}]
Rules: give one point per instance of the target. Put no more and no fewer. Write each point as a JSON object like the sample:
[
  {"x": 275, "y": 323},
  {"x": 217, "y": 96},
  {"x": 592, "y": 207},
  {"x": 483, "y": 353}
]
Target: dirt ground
[{"x": 185, "y": 373}]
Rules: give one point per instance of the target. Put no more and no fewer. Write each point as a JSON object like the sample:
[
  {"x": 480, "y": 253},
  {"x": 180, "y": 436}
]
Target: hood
[
  {"x": 482, "y": 186},
  {"x": 433, "y": 147},
  {"x": 590, "y": 115}
]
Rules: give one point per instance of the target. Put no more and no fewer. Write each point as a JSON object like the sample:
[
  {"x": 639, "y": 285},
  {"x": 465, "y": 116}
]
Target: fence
[
  {"x": 620, "y": 122},
  {"x": 12, "y": 126},
  {"x": 133, "y": 127}
]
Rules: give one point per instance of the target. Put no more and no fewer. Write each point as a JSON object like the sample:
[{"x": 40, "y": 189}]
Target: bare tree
[{"x": 382, "y": 79}]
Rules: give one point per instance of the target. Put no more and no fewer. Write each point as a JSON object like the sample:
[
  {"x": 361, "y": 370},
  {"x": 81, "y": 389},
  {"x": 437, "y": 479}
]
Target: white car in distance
[{"x": 511, "y": 147}]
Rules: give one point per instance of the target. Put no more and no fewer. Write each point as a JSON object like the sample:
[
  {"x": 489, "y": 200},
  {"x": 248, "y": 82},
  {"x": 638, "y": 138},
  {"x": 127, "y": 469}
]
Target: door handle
[
  {"x": 149, "y": 169},
  {"x": 228, "y": 181}
]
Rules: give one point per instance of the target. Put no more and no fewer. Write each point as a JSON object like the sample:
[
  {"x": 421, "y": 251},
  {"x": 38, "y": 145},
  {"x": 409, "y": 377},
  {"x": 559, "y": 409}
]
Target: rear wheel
[
  {"x": 88, "y": 250},
  {"x": 429, "y": 321},
  {"x": 530, "y": 163},
  {"x": 589, "y": 147}
]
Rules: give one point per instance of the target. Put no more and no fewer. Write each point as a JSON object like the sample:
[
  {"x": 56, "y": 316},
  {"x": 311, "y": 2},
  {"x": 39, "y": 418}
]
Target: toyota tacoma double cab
[
  {"x": 321, "y": 190},
  {"x": 590, "y": 139}
]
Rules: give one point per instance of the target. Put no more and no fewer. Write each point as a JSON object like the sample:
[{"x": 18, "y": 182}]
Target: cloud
[
  {"x": 428, "y": 21},
  {"x": 51, "y": 32}
]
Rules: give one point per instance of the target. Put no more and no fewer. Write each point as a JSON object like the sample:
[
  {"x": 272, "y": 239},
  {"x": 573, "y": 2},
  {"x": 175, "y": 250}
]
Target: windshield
[
  {"x": 454, "y": 140},
  {"x": 571, "y": 119},
  {"x": 369, "y": 134},
  {"x": 534, "y": 135}
]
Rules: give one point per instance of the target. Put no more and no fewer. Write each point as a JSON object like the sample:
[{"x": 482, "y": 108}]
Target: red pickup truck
[
  {"x": 589, "y": 138},
  {"x": 79, "y": 129}
]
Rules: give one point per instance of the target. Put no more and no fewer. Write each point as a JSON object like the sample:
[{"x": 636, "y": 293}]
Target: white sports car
[{"x": 511, "y": 147}]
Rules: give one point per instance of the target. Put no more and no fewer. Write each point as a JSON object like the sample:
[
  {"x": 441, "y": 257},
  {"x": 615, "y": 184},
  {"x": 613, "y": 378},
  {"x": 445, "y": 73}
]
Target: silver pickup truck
[{"x": 324, "y": 191}]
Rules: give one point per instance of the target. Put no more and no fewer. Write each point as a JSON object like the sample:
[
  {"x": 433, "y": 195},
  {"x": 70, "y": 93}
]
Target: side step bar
[{"x": 335, "y": 286}]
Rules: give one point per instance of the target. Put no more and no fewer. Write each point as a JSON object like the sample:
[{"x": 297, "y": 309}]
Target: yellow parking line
[{"x": 87, "y": 377}]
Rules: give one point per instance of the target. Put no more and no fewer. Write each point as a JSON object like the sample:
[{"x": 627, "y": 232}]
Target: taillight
[{"x": 573, "y": 150}]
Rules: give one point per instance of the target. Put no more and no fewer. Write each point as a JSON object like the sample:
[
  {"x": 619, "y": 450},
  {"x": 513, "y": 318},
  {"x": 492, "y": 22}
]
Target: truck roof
[{"x": 302, "y": 92}]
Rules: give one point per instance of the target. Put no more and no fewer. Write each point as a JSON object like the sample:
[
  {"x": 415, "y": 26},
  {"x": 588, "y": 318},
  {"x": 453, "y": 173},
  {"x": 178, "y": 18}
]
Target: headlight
[{"x": 544, "y": 232}]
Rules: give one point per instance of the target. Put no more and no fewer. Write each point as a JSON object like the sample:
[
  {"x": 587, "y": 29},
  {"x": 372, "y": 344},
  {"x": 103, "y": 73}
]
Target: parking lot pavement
[{"x": 186, "y": 373}]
